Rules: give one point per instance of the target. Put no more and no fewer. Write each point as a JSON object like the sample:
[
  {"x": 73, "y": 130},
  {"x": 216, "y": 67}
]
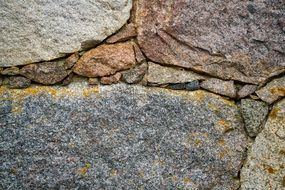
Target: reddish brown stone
[
  {"x": 214, "y": 38},
  {"x": 113, "y": 79},
  {"x": 127, "y": 32},
  {"x": 139, "y": 55},
  {"x": 71, "y": 60},
  {"x": 46, "y": 73},
  {"x": 106, "y": 60}
]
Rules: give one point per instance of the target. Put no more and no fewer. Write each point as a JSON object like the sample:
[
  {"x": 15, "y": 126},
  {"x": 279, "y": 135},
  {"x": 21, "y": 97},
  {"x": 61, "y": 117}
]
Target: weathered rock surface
[
  {"x": 158, "y": 74},
  {"x": 264, "y": 168},
  {"x": 246, "y": 90},
  {"x": 273, "y": 90},
  {"x": 113, "y": 79},
  {"x": 33, "y": 31},
  {"x": 226, "y": 88},
  {"x": 77, "y": 137},
  {"x": 254, "y": 114},
  {"x": 71, "y": 60},
  {"x": 106, "y": 60},
  {"x": 238, "y": 40},
  {"x": 126, "y": 33},
  {"x": 18, "y": 82},
  {"x": 11, "y": 71},
  {"x": 46, "y": 72},
  {"x": 135, "y": 75}
]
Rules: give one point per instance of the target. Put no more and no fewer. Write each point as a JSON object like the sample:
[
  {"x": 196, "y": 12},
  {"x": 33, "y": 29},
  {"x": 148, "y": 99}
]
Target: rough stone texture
[
  {"x": 68, "y": 79},
  {"x": 158, "y": 74},
  {"x": 33, "y": 31},
  {"x": 126, "y": 33},
  {"x": 135, "y": 75},
  {"x": 264, "y": 168},
  {"x": 246, "y": 90},
  {"x": 230, "y": 39},
  {"x": 226, "y": 88},
  {"x": 19, "y": 82},
  {"x": 106, "y": 60},
  {"x": 93, "y": 81},
  {"x": 194, "y": 85},
  {"x": 273, "y": 90},
  {"x": 46, "y": 72},
  {"x": 71, "y": 60},
  {"x": 254, "y": 114},
  {"x": 77, "y": 137},
  {"x": 11, "y": 71},
  {"x": 113, "y": 79},
  {"x": 139, "y": 55}
]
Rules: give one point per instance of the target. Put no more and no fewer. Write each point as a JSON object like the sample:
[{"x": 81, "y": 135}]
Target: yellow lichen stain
[
  {"x": 17, "y": 96},
  {"x": 274, "y": 113},
  {"x": 213, "y": 107},
  {"x": 89, "y": 91},
  {"x": 187, "y": 180},
  {"x": 278, "y": 91},
  {"x": 113, "y": 172},
  {"x": 198, "y": 142}
]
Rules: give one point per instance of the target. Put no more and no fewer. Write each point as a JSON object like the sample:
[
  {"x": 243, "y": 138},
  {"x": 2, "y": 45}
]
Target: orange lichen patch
[
  {"x": 222, "y": 125},
  {"x": 270, "y": 170},
  {"x": 222, "y": 154},
  {"x": 278, "y": 91},
  {"x": 274, "y": 113},
  {"x": 221, "y": 142},
  {"x": 282, "y": 152},
  {"x": 83, "y": 171},
  {"x": 174, "y": 178}
]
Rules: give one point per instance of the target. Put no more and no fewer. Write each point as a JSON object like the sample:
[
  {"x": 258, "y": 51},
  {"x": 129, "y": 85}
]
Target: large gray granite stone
[
  {"x": 264, "y": 168},
  {"x": 118, "y": 137},
  {"x": 33, "y": 31}
]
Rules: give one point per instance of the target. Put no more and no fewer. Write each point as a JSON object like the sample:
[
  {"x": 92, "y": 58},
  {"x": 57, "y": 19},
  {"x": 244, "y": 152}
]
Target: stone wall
[{"x": 109, "y": 94}]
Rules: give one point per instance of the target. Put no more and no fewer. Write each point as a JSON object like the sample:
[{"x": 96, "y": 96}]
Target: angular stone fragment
[
  {"x": 122, "y": 136},
  {"x": 264, "y": 168},
  {"x": 193, "y": 85},
  {"x": 127, "y": 32},
  {"x": 46, "y": 73},
  {"x": 19, "y": 82},
  {"x": 11, "y": 71},
  {"x": 106, "y": 60},
  {"x": 163, "y": 75},
  {"x": 34, "y": 31},
  {"x": 71, "y": 60},
  {"x": 113, "y": 79},
  {"x": 139, "y": 55},
  {"x": 68, "y": 79},
  {"x": 273, "y": 90},
  {"x": 93, "y": 81},
  {"x": 246, "y": 90},
  {"x": 254, "y": 114},
  {"x": 135, "y": 75},
  {"x": 226, "y": 88},
  {"x": 226, "y": 39}
]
